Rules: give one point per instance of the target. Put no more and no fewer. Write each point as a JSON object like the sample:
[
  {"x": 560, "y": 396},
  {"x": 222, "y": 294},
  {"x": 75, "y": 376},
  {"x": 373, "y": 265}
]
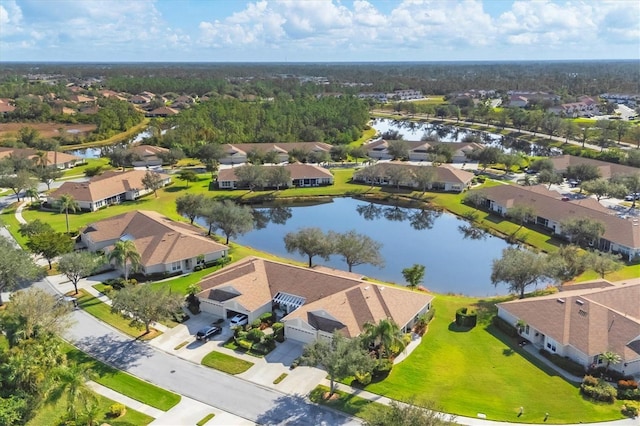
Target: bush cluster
[
  {"x": 509, "y": 329},
  {"x": 116, "y": 410},
  {"x": 630, "y": 409},
  {"x": 565, "y": 363},
  {"x": 466, "y": 317},
  {"x": 600, "y": 391}
]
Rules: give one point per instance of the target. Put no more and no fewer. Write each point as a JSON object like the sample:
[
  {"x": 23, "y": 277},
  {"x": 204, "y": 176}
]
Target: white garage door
[
  {"x": 208, "y": 307},
  {"x": 298, "y": 334}
]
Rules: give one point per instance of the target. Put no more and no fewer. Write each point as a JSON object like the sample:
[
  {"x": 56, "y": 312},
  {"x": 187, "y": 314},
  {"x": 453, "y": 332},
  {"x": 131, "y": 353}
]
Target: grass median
[
  {"x": 226, "y": 363},
  {"x": 102, "y": 311},
  {"x": 122, "y": 382}
]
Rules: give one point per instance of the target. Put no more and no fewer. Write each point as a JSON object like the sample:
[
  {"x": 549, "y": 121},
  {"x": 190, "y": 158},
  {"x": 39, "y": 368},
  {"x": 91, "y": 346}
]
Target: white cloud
[{"x": 10, "y": 18}]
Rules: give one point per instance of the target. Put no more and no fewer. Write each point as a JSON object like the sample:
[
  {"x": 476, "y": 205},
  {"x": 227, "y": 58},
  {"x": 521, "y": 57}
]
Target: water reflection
[
  {"x": 278, "y": 215},
  {"x": 472, "y": 233},
  {"x": 419, "y": 219}
]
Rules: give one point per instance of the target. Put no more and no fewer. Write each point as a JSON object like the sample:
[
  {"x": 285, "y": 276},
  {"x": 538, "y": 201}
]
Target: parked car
[
  {"x": 239, "y": 319},
  {"x": 207, "y": 333}
]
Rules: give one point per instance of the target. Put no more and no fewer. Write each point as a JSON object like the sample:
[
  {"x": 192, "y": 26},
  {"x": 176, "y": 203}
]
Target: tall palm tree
[
  {"x": 71, "y": 381},
  {"x": 65, "y": 203},
  {"x": 386, "y": 333},
  {"x": 32, "y": 193},
  {"x": 41, "y": 159},
  {"x": 610, "y": 358},
  {"x": 123, "y": 253}
]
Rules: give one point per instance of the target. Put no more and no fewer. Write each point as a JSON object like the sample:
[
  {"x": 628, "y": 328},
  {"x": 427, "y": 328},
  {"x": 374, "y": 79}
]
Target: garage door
[{"x": 298, "y": 334}]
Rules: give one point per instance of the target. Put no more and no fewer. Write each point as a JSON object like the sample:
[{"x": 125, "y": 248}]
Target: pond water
[
  {"x": 414, "y": 131},
  {"x": 454, "y": 264},
  {"x": 97, "y": 152}
]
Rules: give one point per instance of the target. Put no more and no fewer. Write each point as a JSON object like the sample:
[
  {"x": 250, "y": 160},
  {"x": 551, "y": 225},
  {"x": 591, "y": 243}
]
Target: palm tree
[
  {"x": 33, "y": 193},
  {"x": 610, "y": 358},
  {"x": 72, "y": 382},
  {"x": 41, "y": 159},
  {"x": 65, "y": 203},
  {"x": 386, "y": 333},
  {"x": 125, "y": 252}
]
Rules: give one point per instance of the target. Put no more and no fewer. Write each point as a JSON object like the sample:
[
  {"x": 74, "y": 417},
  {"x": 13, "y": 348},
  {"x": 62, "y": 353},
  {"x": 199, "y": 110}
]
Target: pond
[
  {"x": 416, "y": 130},
  {"x": 456, "y": 261},
  {"x": 97, "y": 152}
]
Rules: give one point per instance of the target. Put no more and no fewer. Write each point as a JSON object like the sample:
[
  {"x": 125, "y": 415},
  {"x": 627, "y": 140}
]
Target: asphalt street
[{"x": 228, "y": 393}]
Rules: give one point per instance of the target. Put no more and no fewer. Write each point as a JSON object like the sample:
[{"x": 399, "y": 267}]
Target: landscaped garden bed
[{"x": 226, "y": 363}]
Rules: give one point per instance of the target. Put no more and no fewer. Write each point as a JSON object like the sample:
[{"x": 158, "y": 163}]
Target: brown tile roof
[
  {"x": 592, "y": 320},
  {"x": 53, "y": 157},
  {"x": 147, "y": 150},
  {"x": 607, "y": 170},
  {"x": 6, "y": 106},
  {"x": 163, "y": 111},
  {"x": 546, "y": 204},
  {"x": 297, "y": 170},
  {"x": 158, "y": 239},
  {"x": 443, "y": 173},
  {"x": 278, "y": 147},
  {"x": 108, "y": 184},
  {"x": 329, "y": 298}
]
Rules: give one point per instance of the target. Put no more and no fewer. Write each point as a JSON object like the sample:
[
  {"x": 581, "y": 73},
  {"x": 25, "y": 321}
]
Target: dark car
[{"x": 207, "y": 333}]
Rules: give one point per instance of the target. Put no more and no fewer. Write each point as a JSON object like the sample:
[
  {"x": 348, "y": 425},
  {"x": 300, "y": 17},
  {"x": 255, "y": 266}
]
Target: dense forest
[
  {"x": 271, "y": 79},
  {"x": 329, "y": 119}
]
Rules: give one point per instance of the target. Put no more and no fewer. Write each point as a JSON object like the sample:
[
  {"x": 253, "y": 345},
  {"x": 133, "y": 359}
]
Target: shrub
[
  {"x": 466, "y": 317},
  {"x": 627, "y": 384},
  {"x": 508, "y": 329},
  {"x": 255, "y": 335},
  {"x": 611, "y": 375},
  {"x": 256, "y": 323},
  {"x": 630, "y": 409},
  {"x": 590, "y": 381},
  {"x": 382, "y": 368},
  {"x": 566, "y": 364},
  {"x": 629, "y": 394},
  {"x": 116, "y": 410},
  {"x": 267, "y": 317},
  {"x": 245, "y": 344},
  {"x": 363, "y": 378},
  {"x": 602, "y": 391},
  {"x": 278, "y": 331}
]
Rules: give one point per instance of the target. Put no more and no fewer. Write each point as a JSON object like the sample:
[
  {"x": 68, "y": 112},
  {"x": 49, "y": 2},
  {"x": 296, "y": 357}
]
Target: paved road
[{"x": 228, "y": 393}]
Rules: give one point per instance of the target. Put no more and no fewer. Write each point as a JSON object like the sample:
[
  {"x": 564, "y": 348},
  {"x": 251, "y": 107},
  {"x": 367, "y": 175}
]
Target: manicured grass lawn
[
  {"x": 53, "y": 413},
  {"x": 90, "y": 162},
  {"x": 628, "y": 272},
  {"x": 102, "y": 311},
  {"x": 205, "y": 419},
  {"x": 124, "y": 383},
  {"x": 349, "y": 403},
  {"x": 226, "y": 363},
  {"x": 482, "y": 371}
]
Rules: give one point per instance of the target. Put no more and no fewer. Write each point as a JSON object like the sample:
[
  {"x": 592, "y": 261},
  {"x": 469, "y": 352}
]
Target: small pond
[
  {"x": 456, "y": 261},
  {"x": 97, "y": 152}
]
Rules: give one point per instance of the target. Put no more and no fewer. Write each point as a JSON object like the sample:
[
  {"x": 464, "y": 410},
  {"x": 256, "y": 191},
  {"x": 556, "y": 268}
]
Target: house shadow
[
  {"x": 122, "y": 354},
  {"x": 297, "y": 410}
]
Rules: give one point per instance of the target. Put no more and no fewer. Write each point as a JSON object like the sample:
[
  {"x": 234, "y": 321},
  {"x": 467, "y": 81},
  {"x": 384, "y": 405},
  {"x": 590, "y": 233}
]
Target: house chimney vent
[{"x": 560, "y": 300}]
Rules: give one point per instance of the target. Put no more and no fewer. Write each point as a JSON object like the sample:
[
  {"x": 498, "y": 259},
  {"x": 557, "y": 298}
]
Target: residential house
[
  {"x": 420, "y": 150},
  {"x": 311, "y": 303},
  {"x": 147, "y": 155},
  {"x": 61, "y": 160},
  {"x": 446, "y": 177},
  {"x": 139, "y": 99},
  {"x": 6, "y": 106},
  {"x": 302, "y": 175},
  {"x": 162, "y": 111},
  {"x": 607, "y": 170},
  {"x": 585, "y": 107},
  {"x": 112, "y": 187},
  {"x": 622, "y": 235},
  {"x": 237, "y": 153},
  {"x": 165, "y": 246},
  {"x": 583, "y": 324}
]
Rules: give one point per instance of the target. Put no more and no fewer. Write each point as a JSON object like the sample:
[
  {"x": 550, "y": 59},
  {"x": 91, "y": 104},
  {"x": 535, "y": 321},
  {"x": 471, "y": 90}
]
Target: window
[
  {"x": 175, "y": 266},
  {"x": 526, "y": 329}
]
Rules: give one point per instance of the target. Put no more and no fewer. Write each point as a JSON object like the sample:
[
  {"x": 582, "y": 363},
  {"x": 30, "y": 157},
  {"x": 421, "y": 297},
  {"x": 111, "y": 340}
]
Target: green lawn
[
  {"x": 102, "y": 311},
  {"x": 226, "y": 363},
  {"x": 482, "y": 371},
  {"x": 124, "y": 383},
  {"x": 90, "y": 162},
  {"x": 53, "y": 413},
  {"x": 349, "y": 403}
]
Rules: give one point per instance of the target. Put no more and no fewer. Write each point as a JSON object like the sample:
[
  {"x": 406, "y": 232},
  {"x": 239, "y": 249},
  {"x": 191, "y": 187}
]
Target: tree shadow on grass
[
  {"x": 295, "y": 409},
  {"x": 122, "y": 354}
]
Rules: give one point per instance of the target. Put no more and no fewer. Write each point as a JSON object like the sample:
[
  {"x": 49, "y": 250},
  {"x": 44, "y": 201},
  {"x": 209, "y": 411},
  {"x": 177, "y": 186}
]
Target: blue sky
[{"x": 317, "y": 30}]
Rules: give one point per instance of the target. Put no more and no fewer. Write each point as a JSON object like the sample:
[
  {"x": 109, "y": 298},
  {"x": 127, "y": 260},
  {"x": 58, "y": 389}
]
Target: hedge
[{"x": 466, "y": 317}]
